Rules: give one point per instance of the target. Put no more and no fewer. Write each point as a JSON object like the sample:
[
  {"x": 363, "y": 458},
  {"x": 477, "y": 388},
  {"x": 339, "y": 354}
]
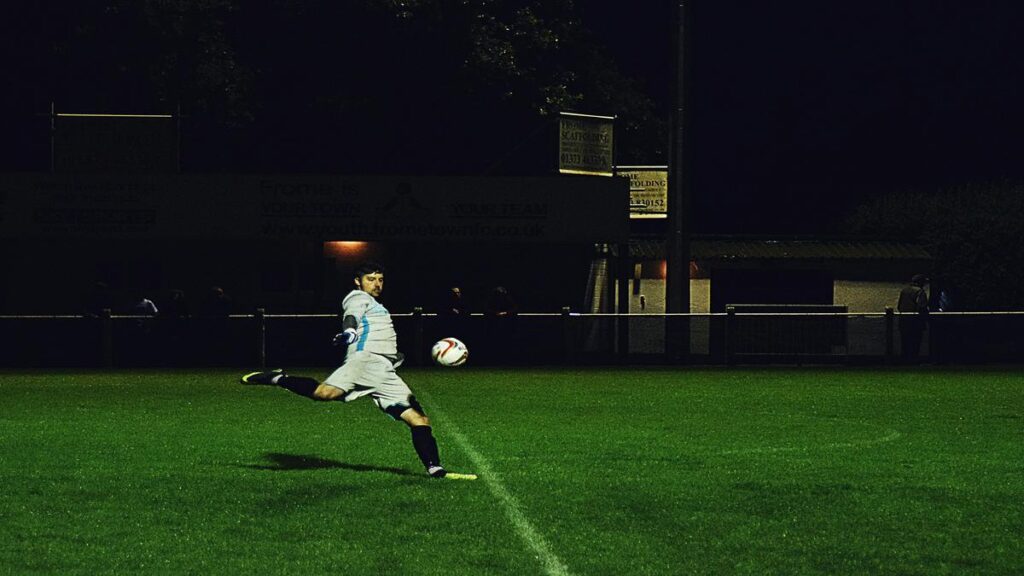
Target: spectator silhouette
[
  {"x": 143, "y": 306},
  {"x": 216, "y": 337},
  {"x": 99, "y": 298},
  {"x": 944, "y": 330},
  {"x": 453, "y": 316},
  {"x": 216, "y": 304},
  {"x": 501, "y": 327},
  {"x": 139, "y": 346},
  {"x": 913, "y": 305},
  {"x": 453, "y": 304},
  {"x": 176, "y": 305},
  {"x": 175, "y": 312},
  {"x": 501, "y": 304}
]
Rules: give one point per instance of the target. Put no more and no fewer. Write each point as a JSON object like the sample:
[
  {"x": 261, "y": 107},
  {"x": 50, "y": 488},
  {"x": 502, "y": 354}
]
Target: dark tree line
[
  {"x": 975, "y": 234},
  {"x": 418, "y": 86}
]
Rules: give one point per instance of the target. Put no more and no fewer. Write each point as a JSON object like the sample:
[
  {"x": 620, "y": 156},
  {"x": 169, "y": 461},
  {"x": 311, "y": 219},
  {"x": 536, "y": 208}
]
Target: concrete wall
[
  {"x": 866, "y": 296},
  {"x": 647, "y": 333},
  {"x": 858, "y": 296}
]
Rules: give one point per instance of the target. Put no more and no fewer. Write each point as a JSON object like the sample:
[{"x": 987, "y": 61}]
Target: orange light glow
[
  {"x": 693, "y": 269},
  {"x": 344, "y": 248}
]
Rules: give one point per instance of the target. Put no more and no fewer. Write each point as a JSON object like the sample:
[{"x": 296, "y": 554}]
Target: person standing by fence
[{"x": 913, "y": 308}]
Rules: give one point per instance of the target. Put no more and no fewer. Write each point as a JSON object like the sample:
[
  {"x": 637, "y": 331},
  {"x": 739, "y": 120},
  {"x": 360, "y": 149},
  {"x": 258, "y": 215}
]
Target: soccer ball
[{"x": 449, "y": 352}]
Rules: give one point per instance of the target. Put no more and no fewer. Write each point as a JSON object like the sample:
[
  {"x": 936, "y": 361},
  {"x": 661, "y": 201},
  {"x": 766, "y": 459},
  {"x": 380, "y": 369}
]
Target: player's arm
[
  {"x": 348, "y": 331},
  {"x": 355, "y": 306}
]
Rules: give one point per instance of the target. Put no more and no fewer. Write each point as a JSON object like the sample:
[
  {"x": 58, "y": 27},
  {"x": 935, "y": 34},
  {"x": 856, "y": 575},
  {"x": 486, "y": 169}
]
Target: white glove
[{"x": 345, "y": 338}]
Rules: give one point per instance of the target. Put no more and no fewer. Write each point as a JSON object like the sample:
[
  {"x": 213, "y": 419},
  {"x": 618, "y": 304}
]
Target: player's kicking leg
[
  {"x": 423, "y": 440},
  {"x": 302, "y": 385}
]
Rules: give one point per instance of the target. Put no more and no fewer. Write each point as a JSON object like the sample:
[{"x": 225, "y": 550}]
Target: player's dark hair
[{"x": 368, "y": 268}]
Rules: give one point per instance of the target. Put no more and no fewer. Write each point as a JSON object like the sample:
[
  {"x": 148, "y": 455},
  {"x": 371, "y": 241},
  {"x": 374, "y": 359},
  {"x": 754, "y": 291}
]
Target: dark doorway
[{"x": 732, "y": 286}]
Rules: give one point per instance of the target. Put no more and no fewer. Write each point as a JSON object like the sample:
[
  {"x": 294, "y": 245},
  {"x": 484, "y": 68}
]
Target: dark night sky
[{"x": 803, "y": 108}]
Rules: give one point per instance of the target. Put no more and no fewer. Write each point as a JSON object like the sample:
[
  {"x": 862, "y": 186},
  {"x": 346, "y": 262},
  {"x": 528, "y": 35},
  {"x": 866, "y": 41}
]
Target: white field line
[
  {"x": 890, "y": 435},
  {"x": 553, "y": 566}
]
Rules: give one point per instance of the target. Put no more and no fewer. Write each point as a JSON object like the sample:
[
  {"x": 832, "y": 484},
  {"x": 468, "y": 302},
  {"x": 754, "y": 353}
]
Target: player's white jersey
[{"x": 375, "y": 332}]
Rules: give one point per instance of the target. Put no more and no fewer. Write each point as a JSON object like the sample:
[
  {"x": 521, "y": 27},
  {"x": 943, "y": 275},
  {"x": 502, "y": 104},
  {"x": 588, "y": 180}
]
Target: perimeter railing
[{"x": 566, "y": 338}]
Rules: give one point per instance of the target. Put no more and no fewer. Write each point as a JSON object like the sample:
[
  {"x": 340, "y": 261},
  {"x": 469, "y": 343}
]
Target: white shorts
[{"x": 365, "y": 373}]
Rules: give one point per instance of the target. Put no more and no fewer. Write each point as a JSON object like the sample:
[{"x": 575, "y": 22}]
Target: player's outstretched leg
[
  {"x": 301, "y": 385},
  {"x": 262, "y": 378}
]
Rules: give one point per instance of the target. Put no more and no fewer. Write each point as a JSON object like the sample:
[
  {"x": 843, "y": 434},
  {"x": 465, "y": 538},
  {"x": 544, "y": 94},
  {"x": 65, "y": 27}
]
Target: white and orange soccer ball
[{"x": 449, "y": 352}]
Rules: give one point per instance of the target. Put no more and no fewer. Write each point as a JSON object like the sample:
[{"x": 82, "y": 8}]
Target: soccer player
[{"x": 369, "y": 367}]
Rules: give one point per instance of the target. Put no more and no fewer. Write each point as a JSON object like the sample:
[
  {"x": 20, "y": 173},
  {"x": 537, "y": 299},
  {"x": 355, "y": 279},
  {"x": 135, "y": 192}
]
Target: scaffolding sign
[{"x": 586, "y": 144}]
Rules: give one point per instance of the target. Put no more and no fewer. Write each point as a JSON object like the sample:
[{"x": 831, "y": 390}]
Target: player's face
[{"x": 372, "y": 284}]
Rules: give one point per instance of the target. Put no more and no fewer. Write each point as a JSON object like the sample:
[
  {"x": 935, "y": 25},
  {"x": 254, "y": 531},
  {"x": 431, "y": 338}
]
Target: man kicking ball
[{"x": 369, "y": 367}]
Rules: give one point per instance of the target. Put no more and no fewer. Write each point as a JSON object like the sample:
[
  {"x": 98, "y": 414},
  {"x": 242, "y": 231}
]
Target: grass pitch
[{"x": 629, "y": 471}]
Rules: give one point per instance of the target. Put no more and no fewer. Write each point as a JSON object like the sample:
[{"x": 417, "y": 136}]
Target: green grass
[{"x": 640, "y": 471}]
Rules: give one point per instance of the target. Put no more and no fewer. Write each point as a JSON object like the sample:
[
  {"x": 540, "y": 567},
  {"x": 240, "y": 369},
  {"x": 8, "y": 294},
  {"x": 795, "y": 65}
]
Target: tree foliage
[
  {"x": 130, "y": 56},
  {"x": 365, "y": 85},
  {"x": 974, "y": 232}
]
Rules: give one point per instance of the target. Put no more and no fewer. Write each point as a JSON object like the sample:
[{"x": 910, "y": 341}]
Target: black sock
[
  {"x": 425, "y": 445},
  {"x": 301, "y": 385}
]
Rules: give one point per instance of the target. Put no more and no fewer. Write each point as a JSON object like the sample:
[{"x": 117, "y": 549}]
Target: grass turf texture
[{"x": 693, "y": 471}]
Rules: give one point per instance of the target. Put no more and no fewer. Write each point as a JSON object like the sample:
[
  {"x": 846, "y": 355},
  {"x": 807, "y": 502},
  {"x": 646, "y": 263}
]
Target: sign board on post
[
  {"x": 586, "y": 144},
  {"x": 139, "y": 143},
  {"x": 310, "y": 206},
  {"x": 648, "y": 190}
]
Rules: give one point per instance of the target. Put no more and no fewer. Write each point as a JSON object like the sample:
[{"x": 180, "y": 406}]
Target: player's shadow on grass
[{"x": 280, "y": 462}]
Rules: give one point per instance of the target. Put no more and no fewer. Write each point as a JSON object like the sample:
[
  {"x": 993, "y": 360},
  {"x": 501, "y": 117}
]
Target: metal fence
[{"x": 261, "y": 339}]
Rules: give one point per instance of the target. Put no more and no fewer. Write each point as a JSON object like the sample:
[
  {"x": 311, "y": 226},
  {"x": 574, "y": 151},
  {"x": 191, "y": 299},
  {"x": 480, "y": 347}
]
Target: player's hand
[{"x": 345, "y": 338}]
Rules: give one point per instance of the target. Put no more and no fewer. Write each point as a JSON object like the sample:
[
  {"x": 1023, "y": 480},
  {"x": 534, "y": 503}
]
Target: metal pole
[
  {"x": 177, "y": 139},
  {"x": 418, "y": 340},
  {"x": 107, "y": 337},
  {"x": 623, "y": 269},
  {"x": 53, "y": 131},
  {"x": 261, "y": 337},
  {"x": 610, "y": 279},
  {"x": 889, "y": 325},
  {"x": 730, "y": 334},
  {"x": 568, "y": 343},
  {"x": 677, "y": 240}
]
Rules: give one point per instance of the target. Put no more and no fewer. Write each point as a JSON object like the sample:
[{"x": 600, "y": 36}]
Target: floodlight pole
[
  {"x": 53, "y": 130},
  {"x": 677, "y": 240},
  {"x": 177, "y": 139}
]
